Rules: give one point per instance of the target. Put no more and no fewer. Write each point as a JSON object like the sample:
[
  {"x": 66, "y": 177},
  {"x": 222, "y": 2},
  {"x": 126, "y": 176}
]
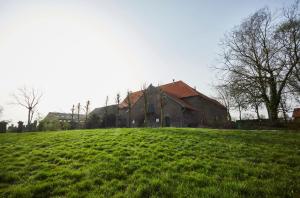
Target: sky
[{"x": 73, "y": 51}]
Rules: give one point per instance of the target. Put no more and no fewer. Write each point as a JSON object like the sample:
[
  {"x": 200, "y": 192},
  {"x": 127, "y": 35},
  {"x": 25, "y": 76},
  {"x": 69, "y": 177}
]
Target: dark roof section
[
  {"x": 181, "y": 102},
  {"x": 65, "y": 116},
  {"x": 111, "y": 109},
  {"x": 296, "y": 113}
]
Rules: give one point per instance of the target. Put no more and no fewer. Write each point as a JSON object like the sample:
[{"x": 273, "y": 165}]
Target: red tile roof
[
  {"x": 182, "y": 90},
  {"x": 296, "y": 113},
  {"x": 176, "y": 90},
  {"x": 134, "y": 96},
  {"x": 179, "y": 89}
]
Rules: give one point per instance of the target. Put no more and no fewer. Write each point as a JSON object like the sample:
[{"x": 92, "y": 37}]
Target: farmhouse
[
  {"x": 175, "y": 104},
  {"x": 65, "y": 117}
]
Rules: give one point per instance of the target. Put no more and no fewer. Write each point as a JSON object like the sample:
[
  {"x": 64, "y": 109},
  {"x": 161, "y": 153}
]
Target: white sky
[{"x": 74, "y": 51}]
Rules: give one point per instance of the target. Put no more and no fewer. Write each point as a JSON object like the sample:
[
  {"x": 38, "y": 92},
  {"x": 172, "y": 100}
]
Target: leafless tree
[
  {"x": 238, "y": 95},
  {"x": 72, "y": 113},
  {"x": 118, "y": 99},
  {"x": 289, "y": 33},
  {"x": 145, "y": 97},
  {"x": 162, "y": 103},
  {"x": 240, "y": 103},
  {"x": 263, "y": 53},
  {"x": 106, "y": 111},
  {"x": 128, "y": 101},
  {"x": 285, "y": 106},
  {"x": 244, "y": 96},
  {"x": 29, "y": 99},
  {"x": 224, "y": 97},
  {"x": 295, "y": 86},
  {"x": 255, "y": 103},
  {"x": 78, "y": 114},
  {"x": 87, "y": 109}
]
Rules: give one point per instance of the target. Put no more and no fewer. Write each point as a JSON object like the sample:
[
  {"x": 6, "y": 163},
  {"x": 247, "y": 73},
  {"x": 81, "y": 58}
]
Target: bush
[
  {"x": 266, "y": 124},
  {"x": 52, "y": 124},
  {"x": 93, "y": 122}
]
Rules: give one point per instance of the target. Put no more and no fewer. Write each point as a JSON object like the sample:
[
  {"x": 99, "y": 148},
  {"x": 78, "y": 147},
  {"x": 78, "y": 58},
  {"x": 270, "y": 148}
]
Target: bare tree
[
  {"x": 162, "y": 103},
  {"x": 118, "y": 99},
  {"x": 145, "y": 97},
  {"x": 255, "y": 103},
  {"x": 244, "y": 96},
  {"x": 295, "y": 85},
  {"x": 72, "y": 113},
  {"x": 285, "y": 106},
  {"x": 128, "y": 101},
  {"x": 78, "y": 114},
  {"x": 29, "y": 99},
  {"x": 87, "y": 109},
  {"x": 240, "y": 103},
  {"x": 238, "y": 96},
  {"x": 289, "y": 33},
  {"x": 106, "y": 111},
  {"x": 262, "y": 53},
  {"x": 72, "y": 117},
  {"x": 224, "y": 97}
]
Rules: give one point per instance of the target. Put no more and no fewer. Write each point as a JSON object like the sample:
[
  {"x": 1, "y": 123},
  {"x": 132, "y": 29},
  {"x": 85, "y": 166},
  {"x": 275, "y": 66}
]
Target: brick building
[{"x": 175, "y": 104}]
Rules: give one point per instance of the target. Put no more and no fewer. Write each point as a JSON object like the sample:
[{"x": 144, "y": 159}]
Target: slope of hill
[{"x": 150, "y": 163}]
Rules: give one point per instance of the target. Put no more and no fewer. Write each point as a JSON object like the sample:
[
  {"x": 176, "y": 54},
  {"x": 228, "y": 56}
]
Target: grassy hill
[{"x": 150, "y": 163}]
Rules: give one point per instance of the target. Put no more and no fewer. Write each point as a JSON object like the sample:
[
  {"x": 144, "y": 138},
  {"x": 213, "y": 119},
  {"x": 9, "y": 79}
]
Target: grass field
[{"x": 150, "y": 163}]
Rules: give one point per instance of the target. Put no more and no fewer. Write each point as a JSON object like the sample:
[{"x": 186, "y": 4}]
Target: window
[{"x": 151, "y": 108}]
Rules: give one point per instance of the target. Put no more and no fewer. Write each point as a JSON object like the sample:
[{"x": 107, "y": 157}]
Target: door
[{"x": 167, "y": 121}]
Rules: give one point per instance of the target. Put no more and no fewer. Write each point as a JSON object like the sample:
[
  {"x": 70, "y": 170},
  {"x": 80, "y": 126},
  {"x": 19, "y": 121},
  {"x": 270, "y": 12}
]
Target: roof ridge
[{"x": 171, "y": 83}]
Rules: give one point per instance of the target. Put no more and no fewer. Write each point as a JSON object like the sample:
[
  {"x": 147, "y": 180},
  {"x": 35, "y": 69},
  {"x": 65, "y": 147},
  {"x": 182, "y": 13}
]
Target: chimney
[
  {"x": 195, "y": 87},
  {"x": 173, "y": 80}
]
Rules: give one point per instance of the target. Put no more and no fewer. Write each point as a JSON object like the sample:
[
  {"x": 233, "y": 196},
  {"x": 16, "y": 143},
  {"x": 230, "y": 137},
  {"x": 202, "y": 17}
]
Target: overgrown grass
[{"x": 150, "y": 163}]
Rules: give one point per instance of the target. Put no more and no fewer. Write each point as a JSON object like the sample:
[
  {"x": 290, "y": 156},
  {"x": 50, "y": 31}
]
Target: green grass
[{"x": 150, "y": 163}]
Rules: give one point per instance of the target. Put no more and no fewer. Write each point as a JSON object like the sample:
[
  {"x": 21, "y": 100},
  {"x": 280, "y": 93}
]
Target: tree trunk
[
  {"x": 257, "y": 112},
  {"x": 162, "y": 117},
  {"x": 78, "y": 120},
  {"x": 29, "y": 115},
  {"x": 117, "y": 118},
  {"x": 229, "y": 116},
  {"x": 129, "y": 118},
  {"x": 272, "y": 112},
  {"x": 240, "y": 112},
  {"x": 145, "y": 109},
  {"x": 272, "y": 108},
  {"x": 162, "y": 112},
  {"x": 283, "y": 112}
]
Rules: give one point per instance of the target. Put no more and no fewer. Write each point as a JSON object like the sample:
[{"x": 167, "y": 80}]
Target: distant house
[
  {"x": 105, "y": 115},
  {"x": 65, "y": 117},
  {"x": 183, "y": 106},
  {"x": 296, "y": 114}
]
